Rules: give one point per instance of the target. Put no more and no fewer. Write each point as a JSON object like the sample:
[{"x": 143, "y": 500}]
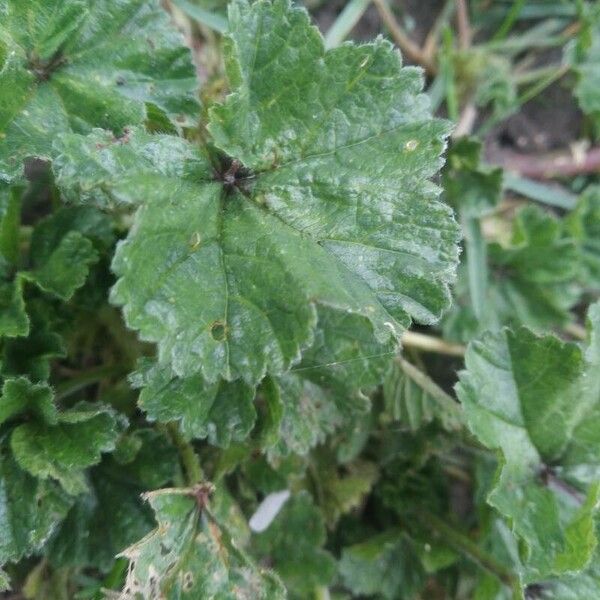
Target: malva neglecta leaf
[
  {"x": 332, "y": 383},
  {"x": 62, "y": 249},
  {"x": 60, "y": 71},
  {"x": 222, "y": 411},
  {"x": 385, "y": 565},
  {"x": 86, "y": 537},
  {"x": 537, "y": 399},
  {"x": 470, "y": 187},
  {"x": 30, "y": 511},
  {"x": 533, "y": 279},
  {"x": 227, "y": 259},
  {"x": 54, "y": 444},
  {"x": 293, "y": 544},
  {"x": 191, "y": 556},
  {"x": 582, "y": 225},
  {"x": 316, "y": 397}
]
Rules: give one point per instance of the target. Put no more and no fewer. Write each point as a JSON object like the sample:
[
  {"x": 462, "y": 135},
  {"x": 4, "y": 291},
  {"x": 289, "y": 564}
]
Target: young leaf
[
  {"x": 191, "y": 556},
  {"x": 533, "y": 279},
  {"x": 61, "y": 72},
  {"x": 21, "y": 397},
  {"x": 583, "y": 226},
  {"x": 63, "y": 451},
  {"x": 538, "y": 401},
  {"x": 470, "y": 187},
  {"x": 66, "y": 268},
  {"x": 57, "y": 445}
]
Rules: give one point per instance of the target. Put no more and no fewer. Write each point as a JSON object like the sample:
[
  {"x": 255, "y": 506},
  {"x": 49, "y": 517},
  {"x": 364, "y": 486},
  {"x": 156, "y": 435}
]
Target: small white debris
[{"x": 267, "y": 510}]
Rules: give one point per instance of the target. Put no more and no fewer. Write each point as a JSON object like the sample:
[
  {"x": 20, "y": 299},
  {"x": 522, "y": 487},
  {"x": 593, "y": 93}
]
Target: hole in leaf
[{"x": 218, "y": 331}]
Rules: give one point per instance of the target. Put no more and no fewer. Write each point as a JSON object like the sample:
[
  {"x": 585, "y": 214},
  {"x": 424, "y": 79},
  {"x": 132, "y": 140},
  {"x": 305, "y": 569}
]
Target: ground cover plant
[{"x": 299, "y": 300}]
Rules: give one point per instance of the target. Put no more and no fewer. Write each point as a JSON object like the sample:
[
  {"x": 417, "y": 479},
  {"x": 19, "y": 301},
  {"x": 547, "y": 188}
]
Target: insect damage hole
[{"x": 218, "y": 331}]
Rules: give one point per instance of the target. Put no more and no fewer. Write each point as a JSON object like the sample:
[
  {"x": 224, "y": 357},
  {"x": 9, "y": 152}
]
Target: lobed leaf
[
  {"x": 226, "y": 276},
  {"x": 54, "y": 444},
  {"x": 30, "y": 511},
  {"x": 537, "y": 399},
  {"x": 60, "y": 72},
  {"x": 191, "y": 556}
]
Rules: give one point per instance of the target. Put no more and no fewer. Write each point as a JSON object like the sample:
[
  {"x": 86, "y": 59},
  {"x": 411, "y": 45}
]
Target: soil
[{"x": 549, "y": 122}]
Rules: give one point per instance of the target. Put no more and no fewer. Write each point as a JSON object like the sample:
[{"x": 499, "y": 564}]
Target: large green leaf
[
  {"x": 313, "y": 399},
  {"x": 191, "y": 556},
  {"x": 331, "y": 204},
  {"x": 331, "y": 384},
  {"x": 537, "y": 399},
  {"x": 59, "y": 71}
]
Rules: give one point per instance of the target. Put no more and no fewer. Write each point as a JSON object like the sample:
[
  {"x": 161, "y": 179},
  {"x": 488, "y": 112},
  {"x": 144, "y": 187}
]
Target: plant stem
[
  {"x": 189, "y": 458},
  {"x": 408, "y": 47},
  {"x": 459, "y": 541},
  {"x": 446, "y": 401},
  {"x": 432, "y": 40},
  {"x": 553, "y": 195},
  {"x": 345, "y": 22},
  {"x": 576, "y": 331},
  {"x": 565, "y": 163},
  {"x": 544, "y": 82},
  {"x": 447, "y": 70},
  {"x": 322, "y": 593},
  {"x": 429, "y": 343},
  {"x": 511, "y": 16},
  {"x": 464, "y": 25},
  {"x": 212, "y": 20},
  {"x": 85, "y": 378},
  {"x": 476, "y": 252}
]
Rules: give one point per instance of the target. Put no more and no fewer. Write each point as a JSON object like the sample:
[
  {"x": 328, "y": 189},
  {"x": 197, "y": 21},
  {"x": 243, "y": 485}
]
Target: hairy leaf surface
[
  {"x": 329, "y": 206},
  {"x": 77, "y": 64},
  {"x": 54, "y": 444}
]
